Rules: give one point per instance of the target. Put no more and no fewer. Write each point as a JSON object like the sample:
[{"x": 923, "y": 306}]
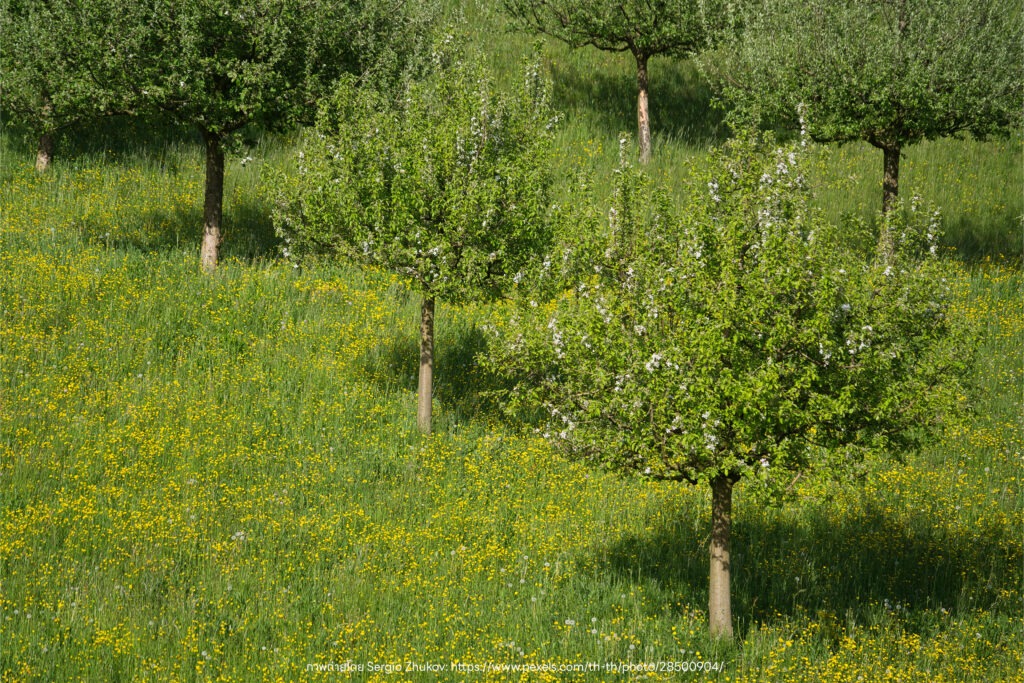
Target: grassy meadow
[{"x": 219, "y": 478}]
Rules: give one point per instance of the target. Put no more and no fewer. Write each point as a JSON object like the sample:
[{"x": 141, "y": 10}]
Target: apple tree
[
  {"x": 644, "y": 28},
  {"x": 62, "y": 63},
  {"x": 448, "y": 187},
  {"x": 224, "y": 65},
  {"x": 742, "y": 338},
  {"x": 888, "y": 72}
]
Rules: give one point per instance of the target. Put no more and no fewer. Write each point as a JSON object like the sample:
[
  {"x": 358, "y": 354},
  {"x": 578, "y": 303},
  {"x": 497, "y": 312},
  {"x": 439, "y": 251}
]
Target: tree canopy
[{"x": 61, "y": 63}]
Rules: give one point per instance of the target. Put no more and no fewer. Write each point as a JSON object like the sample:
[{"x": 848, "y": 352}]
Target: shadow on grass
[
  {"x": 680, "y": 101},
  {"x": 461, "y": 386},
  {"x": 857, "y": 565},
  {"x": 161, "y": 147},
  {"x": 248, "y": 231},
  {"x": 971, "y": 239},
  {"x": 997, "y": 237},
  {"x": 123, "y": 138},
  {"x": 110, "y": 138}
]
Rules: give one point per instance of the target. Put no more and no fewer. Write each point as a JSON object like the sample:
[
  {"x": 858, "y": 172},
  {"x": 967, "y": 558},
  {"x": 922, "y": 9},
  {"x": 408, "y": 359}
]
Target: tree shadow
[
  {"x": 461, "y": 387},
  {"x": 680, "y": 101},
  {"x": 997, "y": 237},
  {"x": 862, "y": 562},
  {"x": 159, "y": 146},
  {"x": 248, "y": 231},
  {"x": 121, "y": 138}
]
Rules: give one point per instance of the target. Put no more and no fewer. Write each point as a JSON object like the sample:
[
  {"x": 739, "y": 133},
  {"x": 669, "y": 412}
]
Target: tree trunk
[
  {"x": 890, "y": 192},
  {"x": 213, "y": 201},
  {"x": 643, "y": 118},
  {"x": 424, "y": 408},
  {"x": 719, "y": 598},
  {"x": 891, "y": 177},
  {"x": 44, "y": 155}
]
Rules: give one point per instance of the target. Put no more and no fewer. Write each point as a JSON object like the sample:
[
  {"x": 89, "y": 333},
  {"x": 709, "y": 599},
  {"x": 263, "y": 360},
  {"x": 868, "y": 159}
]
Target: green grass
[{"x": 220, "y": 478}]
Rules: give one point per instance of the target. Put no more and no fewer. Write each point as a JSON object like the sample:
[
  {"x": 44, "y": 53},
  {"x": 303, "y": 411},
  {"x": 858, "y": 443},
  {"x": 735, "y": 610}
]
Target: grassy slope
[{"x": 220, "y": 477}]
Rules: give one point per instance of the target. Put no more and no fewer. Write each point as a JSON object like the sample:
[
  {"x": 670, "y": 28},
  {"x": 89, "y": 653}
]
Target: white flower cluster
[
  {"x": 556, "y": 338},
  {"x": 713, "y": 189},
  {"x": 654, "y": 363},
  {"x": 826, "y": 355},
  {"x": 657, "y": 361},
  {"x": 801, "y": 110},
  {"x": 567, "y": 422},
  {"x": 710, "y": 436},
  {"x": 854, "y": 346},
  {"x": 934, "y": 225}
]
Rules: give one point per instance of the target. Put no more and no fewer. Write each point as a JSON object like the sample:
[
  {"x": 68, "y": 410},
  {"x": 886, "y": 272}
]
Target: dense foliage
[
  {"x": 222, "y": 65},
  {"x": 740, "y": 334},
  {"x": 63, "y": 62},
  {"x": 447, "y": 186}
]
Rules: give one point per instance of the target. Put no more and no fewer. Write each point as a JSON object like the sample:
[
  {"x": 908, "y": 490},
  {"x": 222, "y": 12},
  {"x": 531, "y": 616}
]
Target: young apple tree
[
  {"x": 889, "y": 72},
  {"x": 447, "y": 186},
  {"x": 223, "y": 65},
  {"x": 644, "y": 28},
  {"x": 742, "y": 338}
]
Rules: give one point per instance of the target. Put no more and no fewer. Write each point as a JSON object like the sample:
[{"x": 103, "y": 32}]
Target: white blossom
[{"x": 713, "y": 188}]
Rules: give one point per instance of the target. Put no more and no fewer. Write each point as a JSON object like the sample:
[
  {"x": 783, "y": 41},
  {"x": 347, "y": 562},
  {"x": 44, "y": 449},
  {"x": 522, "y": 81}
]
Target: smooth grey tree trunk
[
  {"x": 44, "y": 154},
  {"x": 424, "y": 407},
  {"x": 719, "y": 597},
  {"x": 643, "y": 118},
  {"x": 213, "y": 202}
]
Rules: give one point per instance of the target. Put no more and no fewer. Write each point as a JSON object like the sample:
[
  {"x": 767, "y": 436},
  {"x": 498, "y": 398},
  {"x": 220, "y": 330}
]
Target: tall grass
[{"x": 220, "y": 478}]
